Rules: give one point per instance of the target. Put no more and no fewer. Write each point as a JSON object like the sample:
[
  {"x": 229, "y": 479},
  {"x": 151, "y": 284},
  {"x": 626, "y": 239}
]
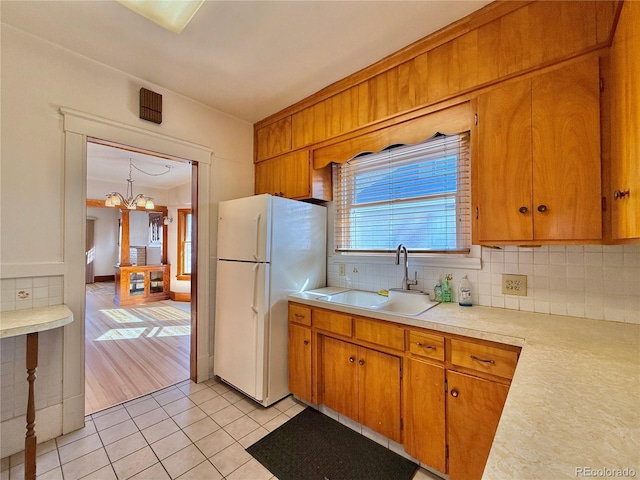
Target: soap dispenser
[
  {"x": 437, "y": 291},
  {"x": 464, "y": 292},
  {"x": 446, "y": 289}
]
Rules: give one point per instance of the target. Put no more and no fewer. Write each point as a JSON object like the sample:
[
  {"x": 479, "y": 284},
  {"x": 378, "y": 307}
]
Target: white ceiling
[
  {"x": 109, "y": 164},
  {"x": 249, "y": 59}
]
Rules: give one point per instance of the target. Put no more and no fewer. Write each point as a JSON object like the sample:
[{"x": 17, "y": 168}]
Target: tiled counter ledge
[{"x": 573, "y": 409}]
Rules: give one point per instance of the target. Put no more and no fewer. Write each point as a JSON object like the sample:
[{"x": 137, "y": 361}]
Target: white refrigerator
[{"x": 268, "y": 247}]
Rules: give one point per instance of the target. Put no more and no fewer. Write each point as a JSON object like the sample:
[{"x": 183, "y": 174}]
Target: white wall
[
  {"x": 105, "y": 239},
  {"x": 37, "y": 79}
]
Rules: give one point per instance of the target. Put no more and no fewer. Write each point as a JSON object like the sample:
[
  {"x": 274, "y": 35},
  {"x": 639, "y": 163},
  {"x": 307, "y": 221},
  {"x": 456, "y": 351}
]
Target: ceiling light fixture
[
  {"x": 170, "y": 14},
  {"x": 115, "y": 199}
]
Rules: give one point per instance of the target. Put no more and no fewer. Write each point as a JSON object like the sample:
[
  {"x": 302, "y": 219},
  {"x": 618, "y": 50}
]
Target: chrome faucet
[{"x": 406, "y": 283}]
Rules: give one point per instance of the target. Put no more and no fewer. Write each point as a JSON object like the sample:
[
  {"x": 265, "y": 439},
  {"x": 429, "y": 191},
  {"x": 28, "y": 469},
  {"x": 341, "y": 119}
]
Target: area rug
[{"x": 313, "y": 446}]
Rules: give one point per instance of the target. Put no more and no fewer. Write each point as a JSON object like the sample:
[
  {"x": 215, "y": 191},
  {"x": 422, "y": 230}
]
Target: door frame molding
[{"x": 77, "y": 127}]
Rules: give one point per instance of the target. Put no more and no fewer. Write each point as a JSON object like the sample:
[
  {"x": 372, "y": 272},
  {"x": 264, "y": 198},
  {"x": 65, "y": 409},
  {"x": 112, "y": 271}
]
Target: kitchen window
[
  {"x": 415, "y": 195},
  {"x": 184, "y": 243}
]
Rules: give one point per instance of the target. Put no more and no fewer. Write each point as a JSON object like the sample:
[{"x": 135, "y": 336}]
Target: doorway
[{"x": 138, "y": 312}]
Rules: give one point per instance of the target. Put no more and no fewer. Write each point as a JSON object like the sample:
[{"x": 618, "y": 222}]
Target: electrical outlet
[
  {"x": 341, "y": 269},
  {"x": 514, "y": 284}
]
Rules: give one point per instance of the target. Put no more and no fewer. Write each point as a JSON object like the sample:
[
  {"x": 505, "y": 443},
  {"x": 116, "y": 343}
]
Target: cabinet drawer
[
  {"x": 484, "y": 358},
  {"x": 300, "y": 314},
  {"x": 380, "y": 333},
  {"x": 333, "y": 322},
  {"x": 426, "y": 345}
]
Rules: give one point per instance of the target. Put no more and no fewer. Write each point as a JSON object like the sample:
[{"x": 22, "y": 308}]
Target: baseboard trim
[
  {"x": 180, "y": 296},
  {"x": 104, "y": 278}
]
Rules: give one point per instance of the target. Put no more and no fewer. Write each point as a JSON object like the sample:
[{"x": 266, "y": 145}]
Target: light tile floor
[{"x": 186, "y": 431}]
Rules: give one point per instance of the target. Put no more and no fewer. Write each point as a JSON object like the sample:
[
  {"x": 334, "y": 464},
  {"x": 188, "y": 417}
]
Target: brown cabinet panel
[
  {"x": 503, "y": 173},
  {"x": 474, "y": 406},
  {"x": 379, "y": 392},
  {"x": 378, "y": 332},
  {"x": 484, "y": 358},
  {"x": 450, "y": 120},
  {"x": 300, "y": 314},
  {"x": 625, "y": 125},
  {"x": 329, "y": 321},
  {"x": 299, "y": 353},
  {"x": 424, "y": 417},
  {"x": 566, "y": 153},
  {"x": 537, "y": 173},
  {"x": 453, "y": 67},
  {"x": 273, "y": 139},
  {"x": 339, "y": 376},
  {"x": 362, "y": 384},
  {"x": 426, "y": 345}
]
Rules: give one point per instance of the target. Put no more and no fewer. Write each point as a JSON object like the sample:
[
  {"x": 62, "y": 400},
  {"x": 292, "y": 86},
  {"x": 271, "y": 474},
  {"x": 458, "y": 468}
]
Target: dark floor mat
[{"x": 312, "y": 446}]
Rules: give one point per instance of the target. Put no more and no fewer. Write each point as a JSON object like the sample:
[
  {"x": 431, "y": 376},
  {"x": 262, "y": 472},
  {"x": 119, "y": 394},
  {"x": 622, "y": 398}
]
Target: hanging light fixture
[{"x": 115, "y": 199}]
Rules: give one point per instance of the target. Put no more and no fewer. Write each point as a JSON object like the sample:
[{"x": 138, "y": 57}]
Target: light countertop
[
  {"x": 30, "y": 320},
  {"x": 574, "y": 402}
]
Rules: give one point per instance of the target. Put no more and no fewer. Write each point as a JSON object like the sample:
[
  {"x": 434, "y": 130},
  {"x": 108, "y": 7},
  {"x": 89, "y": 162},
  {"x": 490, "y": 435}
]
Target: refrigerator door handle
[
  {"x": 257, "y": 237},
  {"x": 255, "y": 288}
]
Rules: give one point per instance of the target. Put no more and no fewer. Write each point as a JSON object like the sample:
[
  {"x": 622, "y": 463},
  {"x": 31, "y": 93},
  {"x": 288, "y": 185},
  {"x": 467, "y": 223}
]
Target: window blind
[{"x": 415, "y": 195}]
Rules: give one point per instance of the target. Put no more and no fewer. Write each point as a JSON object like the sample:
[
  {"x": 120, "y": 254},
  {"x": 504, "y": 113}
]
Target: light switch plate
[{"x": 514, "y": 284}]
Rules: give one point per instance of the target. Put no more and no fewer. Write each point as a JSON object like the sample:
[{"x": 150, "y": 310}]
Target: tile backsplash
[
  {"x": 590, "y": 281},
  {"x": 24, "y": 293},
  {"x": 30, "y": 292}
]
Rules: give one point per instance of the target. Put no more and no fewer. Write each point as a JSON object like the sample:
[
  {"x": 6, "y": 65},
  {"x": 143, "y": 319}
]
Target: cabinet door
[
  {"x": 625, "y": 122},
  {"x": 566, "y": 153},
  {"x": 379, "y": 392},
  {"x": 339, "y": 376},
  {"x": 299, "y": 352},
  {"x": 285, "y": 176},
  {"x": 424, "y": 431},
  {"x": 503, "y": 174},
  {"x": 474, "y": 406}
]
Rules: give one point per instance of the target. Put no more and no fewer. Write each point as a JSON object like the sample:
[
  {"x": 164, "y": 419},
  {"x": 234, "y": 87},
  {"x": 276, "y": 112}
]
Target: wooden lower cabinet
[
  {"x": 424, "y": 412},
  {"x": 363, "y": 384},
  {"x": 474, "y": 406},
  {"x": 299, "y": 353},
  {"x": 440, "y": 397}
]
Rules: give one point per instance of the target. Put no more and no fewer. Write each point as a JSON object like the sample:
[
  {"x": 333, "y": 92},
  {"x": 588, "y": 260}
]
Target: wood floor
[{"x": 132, "y": 351}]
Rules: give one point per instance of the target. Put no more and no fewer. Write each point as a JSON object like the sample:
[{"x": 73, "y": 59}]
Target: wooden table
[{"x": 29, "y": 322}]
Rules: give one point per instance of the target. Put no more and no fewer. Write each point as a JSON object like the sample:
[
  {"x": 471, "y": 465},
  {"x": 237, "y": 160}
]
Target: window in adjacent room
[
  {"x": 184, "y": 243},
  {"x": 415, "y": 195}
]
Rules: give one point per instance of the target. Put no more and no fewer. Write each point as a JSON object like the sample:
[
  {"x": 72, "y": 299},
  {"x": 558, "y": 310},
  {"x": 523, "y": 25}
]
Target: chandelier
[{"x": 115, "y": 199}]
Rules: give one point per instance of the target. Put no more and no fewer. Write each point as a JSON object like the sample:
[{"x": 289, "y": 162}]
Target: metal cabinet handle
[
  {"x": 299, "y": 315},
  {"x": 473, "y": 357},
  {"x": 360, "y": 362},
  {"x": 351, "y": 359},
  {"x": 542, "y": 208},
  {"x": 619, "y": 195},
  {"x": 454, "y": 393},
  {"x": 523, "y": 209},
  {"x": 306, "y": 342},
  {"x": 426, "y": 347}
]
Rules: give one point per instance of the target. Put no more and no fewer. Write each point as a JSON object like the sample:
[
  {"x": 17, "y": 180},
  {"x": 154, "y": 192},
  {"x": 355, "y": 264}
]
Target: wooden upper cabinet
[
  {"x": 538, "y": 167},
  {"x": 625, "y": 125},
  {"x": 566, "y": 153},
  {"x": 273, "y": 139},
  {"x": 503, "y": 173},
  {"x": 291, "y": 176}
]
